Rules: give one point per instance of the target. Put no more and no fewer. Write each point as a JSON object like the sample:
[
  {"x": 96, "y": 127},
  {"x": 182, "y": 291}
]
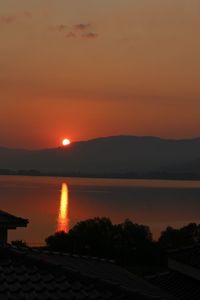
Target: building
[
  {"x": 8, "y": 222},
  {"x": 182, "y": 279}
]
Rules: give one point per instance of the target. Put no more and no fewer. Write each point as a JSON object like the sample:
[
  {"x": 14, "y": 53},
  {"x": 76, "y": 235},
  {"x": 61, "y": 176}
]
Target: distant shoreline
[{"x": 136, "y": 176}]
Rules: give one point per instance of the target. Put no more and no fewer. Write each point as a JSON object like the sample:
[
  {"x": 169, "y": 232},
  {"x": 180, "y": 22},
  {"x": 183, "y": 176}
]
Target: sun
[{"x": 66, "y": 142}]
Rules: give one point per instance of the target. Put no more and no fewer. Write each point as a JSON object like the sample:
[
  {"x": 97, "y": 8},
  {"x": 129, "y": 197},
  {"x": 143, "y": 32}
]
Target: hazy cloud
[
  {"x": 28, "y": 14},
  {"x": 61, "y": 27},
  {"x": 8, "y": 19},
  {"x": 71, "y": 34}
]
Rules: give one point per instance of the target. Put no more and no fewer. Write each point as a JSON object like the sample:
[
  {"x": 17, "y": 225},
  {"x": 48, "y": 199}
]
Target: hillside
[{"x": 118, "y": 154}]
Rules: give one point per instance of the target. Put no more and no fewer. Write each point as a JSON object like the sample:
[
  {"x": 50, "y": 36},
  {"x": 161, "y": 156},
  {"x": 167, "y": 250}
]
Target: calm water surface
[{"x": 152, "y": 202}]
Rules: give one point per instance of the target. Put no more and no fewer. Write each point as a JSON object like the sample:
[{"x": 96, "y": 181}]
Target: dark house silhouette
[
  {"x": 183, "y": 275},
  {"x": 8, "y": 221}
]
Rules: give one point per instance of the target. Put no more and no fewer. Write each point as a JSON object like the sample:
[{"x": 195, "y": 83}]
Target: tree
[
  {"x": 126, "y": 242},
  {"x": 186, "y": 236}
]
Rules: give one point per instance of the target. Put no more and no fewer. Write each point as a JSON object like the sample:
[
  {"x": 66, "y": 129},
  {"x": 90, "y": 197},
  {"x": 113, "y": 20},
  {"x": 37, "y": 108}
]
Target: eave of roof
[{"x": 11, "y": 222}]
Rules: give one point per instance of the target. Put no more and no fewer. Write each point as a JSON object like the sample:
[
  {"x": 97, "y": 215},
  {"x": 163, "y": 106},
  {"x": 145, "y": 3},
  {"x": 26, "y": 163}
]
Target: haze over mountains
[{"x": 110, "y": 155}]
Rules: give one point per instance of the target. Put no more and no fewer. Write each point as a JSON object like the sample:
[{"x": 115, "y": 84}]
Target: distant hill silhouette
[{"x": 109, "y": 155}]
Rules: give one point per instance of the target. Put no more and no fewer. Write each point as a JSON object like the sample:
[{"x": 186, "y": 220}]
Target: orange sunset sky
[{"x": 88, "y": 68}]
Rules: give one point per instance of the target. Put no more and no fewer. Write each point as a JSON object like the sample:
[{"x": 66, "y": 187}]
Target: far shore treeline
[{"x": 129, "y": 175}]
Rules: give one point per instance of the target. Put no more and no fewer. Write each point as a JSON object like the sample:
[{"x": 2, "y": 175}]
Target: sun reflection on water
[{"x": 63, "y": 218}]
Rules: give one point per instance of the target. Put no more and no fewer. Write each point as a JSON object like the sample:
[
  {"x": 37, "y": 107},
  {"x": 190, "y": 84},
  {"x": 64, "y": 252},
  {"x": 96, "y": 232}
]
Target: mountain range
[{"x": 109, "y": 155}]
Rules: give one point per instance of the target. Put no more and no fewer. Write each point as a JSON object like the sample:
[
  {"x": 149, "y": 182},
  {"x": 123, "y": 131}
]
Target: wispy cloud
[
  {"x": 60, "y": 27},
  {"x": 9, "y": 19},
  {"x": 90, "y": 35},
  {"x": 80, "y": 30},
  {"x": 82, "y": 26}
]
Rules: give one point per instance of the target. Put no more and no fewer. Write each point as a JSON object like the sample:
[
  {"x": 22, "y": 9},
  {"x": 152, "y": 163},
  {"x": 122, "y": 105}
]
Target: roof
[
  {"x": 11, "y": 222},
  {"x": 189, "y": 256},
  {"x": 96, "y": 267},
  {"x": 182, "y": 278},
  {"x": 177, "y": 284},
  {"x": 27, "y": 276}
]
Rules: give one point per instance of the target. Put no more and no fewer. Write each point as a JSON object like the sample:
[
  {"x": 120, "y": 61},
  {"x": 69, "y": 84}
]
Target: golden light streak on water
[{"x": 63, "y": 218}]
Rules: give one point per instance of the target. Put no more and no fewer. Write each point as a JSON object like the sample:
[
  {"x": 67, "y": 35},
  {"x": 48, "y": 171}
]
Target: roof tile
[{"x": 24, "y": 277}]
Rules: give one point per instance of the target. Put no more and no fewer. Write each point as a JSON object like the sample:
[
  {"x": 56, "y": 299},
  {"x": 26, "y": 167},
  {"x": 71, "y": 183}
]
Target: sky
[{"x": 88, "y": 68}]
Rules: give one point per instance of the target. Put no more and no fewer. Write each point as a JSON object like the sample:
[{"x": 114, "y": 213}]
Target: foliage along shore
[{"x": 128, "y": 244}]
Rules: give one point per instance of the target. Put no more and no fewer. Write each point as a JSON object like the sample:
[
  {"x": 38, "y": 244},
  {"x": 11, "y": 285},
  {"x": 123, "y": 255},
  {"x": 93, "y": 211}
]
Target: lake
[{"x": 156, "y": 203}]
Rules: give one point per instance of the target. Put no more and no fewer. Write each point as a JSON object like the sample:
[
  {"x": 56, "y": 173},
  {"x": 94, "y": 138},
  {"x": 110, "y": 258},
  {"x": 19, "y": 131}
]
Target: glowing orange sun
[{"x": 66, "y": 142}]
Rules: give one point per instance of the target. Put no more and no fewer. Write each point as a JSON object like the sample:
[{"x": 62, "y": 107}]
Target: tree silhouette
[
  {"x": 185, "y": 236},
  {"x": 126, "y": 242}
]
